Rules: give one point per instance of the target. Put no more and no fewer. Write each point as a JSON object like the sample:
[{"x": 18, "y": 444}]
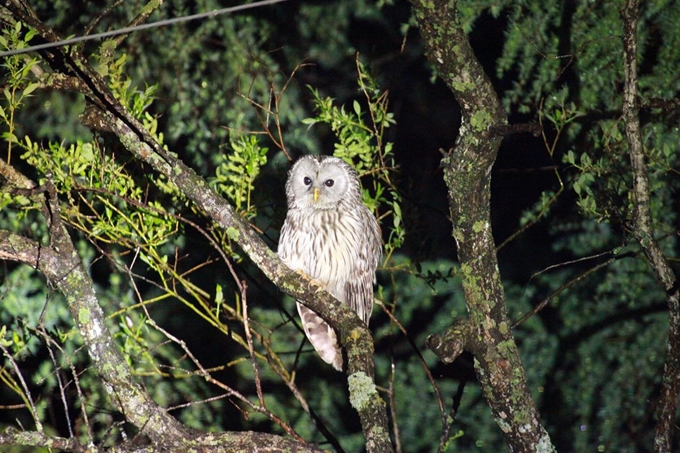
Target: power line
[{"x": 122, "y": 31}]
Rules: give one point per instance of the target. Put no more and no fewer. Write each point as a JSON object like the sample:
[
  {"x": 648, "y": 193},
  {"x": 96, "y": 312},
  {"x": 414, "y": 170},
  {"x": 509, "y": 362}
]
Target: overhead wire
[{"x": 126, "y": 30}]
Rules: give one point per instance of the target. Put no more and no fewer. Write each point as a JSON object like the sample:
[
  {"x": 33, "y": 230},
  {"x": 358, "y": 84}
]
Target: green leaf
[{"x": 31, "y": 88}]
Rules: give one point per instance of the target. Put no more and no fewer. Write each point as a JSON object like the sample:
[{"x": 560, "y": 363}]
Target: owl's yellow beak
[{"x": 316, "y": 193}]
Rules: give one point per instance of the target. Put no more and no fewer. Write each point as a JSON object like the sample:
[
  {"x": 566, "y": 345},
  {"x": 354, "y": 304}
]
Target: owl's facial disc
[{"x": 318, "y": 185}]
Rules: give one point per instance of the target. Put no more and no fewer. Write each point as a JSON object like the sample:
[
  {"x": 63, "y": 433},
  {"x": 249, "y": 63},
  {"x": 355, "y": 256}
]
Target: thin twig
[
  {"x": 208, "y": 377},
  {"x": 421, "y": 359},
  {"x": 76, "y": 382},
  {"x": 59, "y": 380},
  {"x": 393, "y": 408},
  {"x": 249, "y": 339},
  {"x": 203, "y": 401},
  {"x": 101, "y": 15},
  {"x": 565, "y": 286},
  {"x": 568, "y": 263},
  {"x": 455, "y": 405},
  {"x": 275, "y": 97},
  {"x": 27, "y": 393}
]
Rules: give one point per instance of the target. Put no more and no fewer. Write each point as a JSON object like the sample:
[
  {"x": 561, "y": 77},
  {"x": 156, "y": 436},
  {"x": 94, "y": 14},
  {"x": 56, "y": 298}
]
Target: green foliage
[
  {"x": 135, "y": 100},
  {"x": 31, "y": 314},
  {"x": 17, "y": 86},
  {"x": 469, "y": 12},
  {"x": 217, "y": 78},
  {"x": 104, "y": 200},
  {"x": 108, "y": 201},
  {"x": 584, "y": 79},
  {"x": 586, "y": 349},
  {"x": 236, "y": 174},
  {"x": 603, "y": 183},
  {"x": 360, "y": 136},
  {"x": 26, "y": 306}
]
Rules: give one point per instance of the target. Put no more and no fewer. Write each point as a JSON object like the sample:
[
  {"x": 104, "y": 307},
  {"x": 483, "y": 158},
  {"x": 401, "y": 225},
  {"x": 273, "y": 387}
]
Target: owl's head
[{"x": 321, "y": 182}]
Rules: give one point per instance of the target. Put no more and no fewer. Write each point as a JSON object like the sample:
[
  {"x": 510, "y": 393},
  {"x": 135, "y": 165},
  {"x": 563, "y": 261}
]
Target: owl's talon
[
  {"x": 316, "y": 285},
  {"x": 311, "y": 282}
]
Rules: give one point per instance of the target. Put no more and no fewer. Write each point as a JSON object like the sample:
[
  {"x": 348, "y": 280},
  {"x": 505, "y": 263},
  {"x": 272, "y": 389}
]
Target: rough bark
[
  {"x": 62, "y": 267},
  {"x": 643, "y": 232},
  {"x": 467, "y": 170},
  {"x": 244, "y": 442}
]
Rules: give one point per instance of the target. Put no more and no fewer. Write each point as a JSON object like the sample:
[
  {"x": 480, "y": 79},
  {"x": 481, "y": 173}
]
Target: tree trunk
[{"x": 467, "y": 173}]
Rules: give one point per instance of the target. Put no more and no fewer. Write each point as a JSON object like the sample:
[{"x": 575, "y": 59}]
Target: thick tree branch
[
  {"x": 643, "y": 232},
  {"x": 467, "y": 170},
  {"x": 245, "y": 442},
  {"x": 12, "y": 436},
  {"x": 458, "y": 338},
  {"x": 60, "y": 263}
]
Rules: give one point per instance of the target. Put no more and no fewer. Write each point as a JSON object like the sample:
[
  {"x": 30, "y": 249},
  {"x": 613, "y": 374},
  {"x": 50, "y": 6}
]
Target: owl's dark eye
[
  {"x": 307, "y": 180},
  {"x": 329, "y": 182}
]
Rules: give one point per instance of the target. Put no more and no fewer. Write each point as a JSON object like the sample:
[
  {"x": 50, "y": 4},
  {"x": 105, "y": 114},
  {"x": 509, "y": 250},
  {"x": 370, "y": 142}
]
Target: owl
[{"x": 330, "y": 236}]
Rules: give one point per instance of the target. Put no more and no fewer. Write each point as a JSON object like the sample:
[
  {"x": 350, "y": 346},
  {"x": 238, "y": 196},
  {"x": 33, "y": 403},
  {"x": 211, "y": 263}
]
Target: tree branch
[
  {"x": 245, "y": 442},
  {"x": 467, "y": 171},
  {"x": 12, "y": 436},
  {"x": 454, "y": 341},
  {"x": 642, "y": 230}
]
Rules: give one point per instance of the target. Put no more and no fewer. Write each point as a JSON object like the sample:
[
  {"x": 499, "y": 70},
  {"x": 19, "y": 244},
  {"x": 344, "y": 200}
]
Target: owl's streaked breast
[{"x": 322, "y": 244}]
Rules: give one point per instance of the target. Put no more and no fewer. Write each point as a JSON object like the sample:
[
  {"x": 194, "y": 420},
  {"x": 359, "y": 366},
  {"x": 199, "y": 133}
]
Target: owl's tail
[{"x": 322, "y": 336}]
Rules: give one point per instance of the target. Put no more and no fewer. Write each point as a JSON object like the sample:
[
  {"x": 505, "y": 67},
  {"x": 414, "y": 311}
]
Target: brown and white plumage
[{"x": 333, "y": 238}]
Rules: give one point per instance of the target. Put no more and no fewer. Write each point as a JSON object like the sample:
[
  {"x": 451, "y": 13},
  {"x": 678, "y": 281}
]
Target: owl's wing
[
  {"x": 291, "y": 243},
  {"x": 359, "y": 285},
  {"x": 283, "y": 249}
]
